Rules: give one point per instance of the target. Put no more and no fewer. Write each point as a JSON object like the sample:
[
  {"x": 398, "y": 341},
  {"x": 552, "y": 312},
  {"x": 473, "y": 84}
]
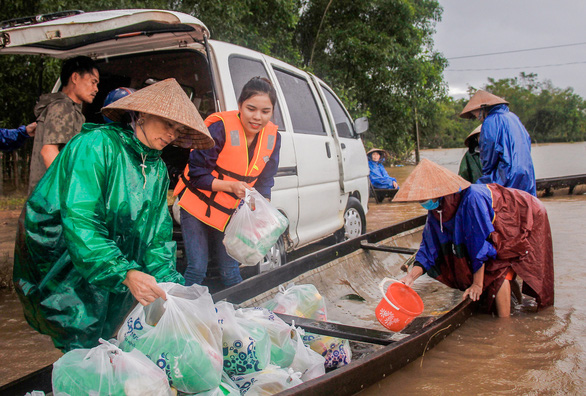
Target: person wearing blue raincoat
[
  {"x": 505, "y": 144},
  {"x": 479, "y": 237},
  {"x": 95, "y": 234},
  {"x": 12, "y": 139},
  {"x": 379, "y": 178}
]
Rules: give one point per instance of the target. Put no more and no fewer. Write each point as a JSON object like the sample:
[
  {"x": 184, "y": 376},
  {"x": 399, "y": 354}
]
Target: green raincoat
[
  {"x": 470, "y": 166},
  {"x": 99, "y": 211}
]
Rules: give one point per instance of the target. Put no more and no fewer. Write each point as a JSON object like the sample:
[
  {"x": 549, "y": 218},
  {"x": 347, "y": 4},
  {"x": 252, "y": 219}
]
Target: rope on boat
[{"x": 436, "y": 333}]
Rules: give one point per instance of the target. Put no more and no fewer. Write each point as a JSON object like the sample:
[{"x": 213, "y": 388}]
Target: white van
[{"x": 322, "y": 182}]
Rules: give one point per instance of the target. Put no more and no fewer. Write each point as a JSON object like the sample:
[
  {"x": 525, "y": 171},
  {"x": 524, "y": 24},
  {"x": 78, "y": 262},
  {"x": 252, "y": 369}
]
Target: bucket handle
[{"x": 384, "y": 293}]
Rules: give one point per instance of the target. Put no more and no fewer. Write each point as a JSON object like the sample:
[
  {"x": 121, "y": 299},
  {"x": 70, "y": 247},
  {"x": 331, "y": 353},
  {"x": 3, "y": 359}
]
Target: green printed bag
[
  {"x": 246, "y": 345},
  {"x": 181, "y": 335},
  {"x": 106, "y": 370},
  {"x": 282, "y": 344}
]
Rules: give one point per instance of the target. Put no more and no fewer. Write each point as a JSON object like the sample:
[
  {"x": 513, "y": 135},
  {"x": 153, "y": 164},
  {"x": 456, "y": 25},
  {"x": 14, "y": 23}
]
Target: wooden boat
[{"x": 354, "y": 267}]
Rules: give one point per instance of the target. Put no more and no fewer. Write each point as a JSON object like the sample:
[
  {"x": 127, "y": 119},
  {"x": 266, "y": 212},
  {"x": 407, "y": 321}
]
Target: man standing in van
[{"x": 59, "y": 115}]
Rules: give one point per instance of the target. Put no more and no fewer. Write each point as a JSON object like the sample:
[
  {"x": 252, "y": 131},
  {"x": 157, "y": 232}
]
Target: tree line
[{"x": 377, "y": 55}]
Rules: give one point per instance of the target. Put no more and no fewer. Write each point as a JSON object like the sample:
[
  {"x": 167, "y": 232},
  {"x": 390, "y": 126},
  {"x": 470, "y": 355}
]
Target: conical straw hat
[
  {"x": 382, "y": 152},
  {"x": 476, "y": 131},
  {"x": 428, "y": 181},
  {"x": 168, "y": 100},
  {"x": 481, "y": 99}
]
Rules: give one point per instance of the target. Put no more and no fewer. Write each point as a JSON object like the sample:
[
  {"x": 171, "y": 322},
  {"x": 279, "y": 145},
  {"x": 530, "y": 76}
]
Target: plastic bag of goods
[
  {"x": 227, "y": 388},
  {"x": 306, "y": 361},
  {"x": 282, "y": 343},
  {"x": 336, "y": 351},
  {"x": 269, "y": 381},
  {"x": 246, "y": 345},
  {"x": 299, "y": 300},
  {"x": 181, "y": 335},
  {"x": 107, "y": 370},
  {"x": 253, "y": 229}
]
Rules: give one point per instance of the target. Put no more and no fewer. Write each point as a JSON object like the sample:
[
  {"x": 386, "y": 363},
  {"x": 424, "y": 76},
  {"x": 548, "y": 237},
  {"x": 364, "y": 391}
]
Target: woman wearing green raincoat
[{"x": 95, "y": 234}]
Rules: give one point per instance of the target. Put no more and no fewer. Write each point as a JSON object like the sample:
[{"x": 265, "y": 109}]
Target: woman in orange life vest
[{"x": 246, "y": 154}]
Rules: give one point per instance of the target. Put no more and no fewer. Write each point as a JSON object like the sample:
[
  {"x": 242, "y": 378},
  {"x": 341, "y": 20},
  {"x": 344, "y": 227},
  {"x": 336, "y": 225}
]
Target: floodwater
[
  {"x": 528, "y": 354},
  {"x": 540, "y": 353}
]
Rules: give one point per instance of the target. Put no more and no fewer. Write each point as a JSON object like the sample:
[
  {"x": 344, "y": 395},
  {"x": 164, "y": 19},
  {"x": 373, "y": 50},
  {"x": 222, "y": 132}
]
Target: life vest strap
[
  {"x": 208, "y": 200},
  {"x": 225, "y": 172}
]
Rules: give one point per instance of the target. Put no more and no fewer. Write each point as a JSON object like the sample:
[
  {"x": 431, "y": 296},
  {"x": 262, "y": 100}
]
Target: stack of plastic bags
[
  {"x": 253, "y": 229},
  {"x": 107, "y": 370},
  {"x": 188, "y": 345},
  {"x": 305, "y": 301},
  {"x": 181, "y": 335}
]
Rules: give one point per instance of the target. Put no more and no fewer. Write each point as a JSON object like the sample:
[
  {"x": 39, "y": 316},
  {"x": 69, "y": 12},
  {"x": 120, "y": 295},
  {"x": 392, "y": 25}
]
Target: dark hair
[
  {"x": 79, "y": 64},
  {"x": 258, "y": 86}
]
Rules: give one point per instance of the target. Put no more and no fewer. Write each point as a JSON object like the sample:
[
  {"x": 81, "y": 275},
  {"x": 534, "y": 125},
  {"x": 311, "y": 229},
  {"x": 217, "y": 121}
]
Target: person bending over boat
[
  {"x": 95, "y": 235},
  {"x": 246, "y": 154},
  {"x": 505, "y": 145},
  {"x": 378, "y": 174},
  {"x": 478, "y": 237}
]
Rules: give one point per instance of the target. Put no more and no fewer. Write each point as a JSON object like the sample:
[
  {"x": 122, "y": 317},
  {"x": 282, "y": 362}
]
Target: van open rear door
[{"x": 102, "y": 33}]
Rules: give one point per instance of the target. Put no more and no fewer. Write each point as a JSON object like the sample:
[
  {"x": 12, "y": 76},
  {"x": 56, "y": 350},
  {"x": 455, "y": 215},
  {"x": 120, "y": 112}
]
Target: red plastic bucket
[{"x": 399, "y": 305}]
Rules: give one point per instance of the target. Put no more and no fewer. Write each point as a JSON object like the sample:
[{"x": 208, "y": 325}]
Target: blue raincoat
[
  {"x": 502, "y": 228},
  {"x": 11, "y": 139},
  {"x": 505, "y": 151},
  {"x": 464, "y": 235},
  {"x": 379, "y": 176}
]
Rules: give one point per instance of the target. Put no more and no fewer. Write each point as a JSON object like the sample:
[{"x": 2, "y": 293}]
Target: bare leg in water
[
  {"x": 516, "y": 290},
  {"x": 503, "y": 300}
]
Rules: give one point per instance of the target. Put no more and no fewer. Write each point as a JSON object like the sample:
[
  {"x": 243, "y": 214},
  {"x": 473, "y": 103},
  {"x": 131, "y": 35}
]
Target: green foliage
[
  {"x": 379, "y": 53},
  {"x": 265, "y": 26},
  {"x": 550, "y": 114}
]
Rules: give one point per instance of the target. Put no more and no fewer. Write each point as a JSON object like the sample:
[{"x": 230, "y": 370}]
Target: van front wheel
[{"x": 354, "y": 221}]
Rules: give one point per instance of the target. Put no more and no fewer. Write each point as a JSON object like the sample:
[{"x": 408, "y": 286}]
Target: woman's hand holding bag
[{"x": 253, "y": 229}]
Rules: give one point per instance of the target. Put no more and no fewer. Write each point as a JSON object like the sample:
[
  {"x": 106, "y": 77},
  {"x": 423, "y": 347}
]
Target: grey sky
[{"x": 471, "y": 27}]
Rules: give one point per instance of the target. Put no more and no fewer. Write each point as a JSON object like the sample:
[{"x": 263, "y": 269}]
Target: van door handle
[
  {"x": 343, "y": 146},
  {"x": 328, "y": 150}
]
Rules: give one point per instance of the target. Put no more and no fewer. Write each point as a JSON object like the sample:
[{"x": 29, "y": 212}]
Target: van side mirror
[{"x": 361, "y": 125}]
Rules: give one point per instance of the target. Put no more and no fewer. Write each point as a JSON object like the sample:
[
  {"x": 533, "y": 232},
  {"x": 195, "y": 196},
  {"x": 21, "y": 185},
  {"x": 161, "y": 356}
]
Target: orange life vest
[{"x": 215, "y": 208}]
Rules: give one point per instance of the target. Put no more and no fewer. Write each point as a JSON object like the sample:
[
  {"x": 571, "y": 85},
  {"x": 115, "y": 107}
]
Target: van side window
[
  {"x": 301, "y": 103},
  {"x": 344, "y": 125},
  {"x": 243, "y": 69}
]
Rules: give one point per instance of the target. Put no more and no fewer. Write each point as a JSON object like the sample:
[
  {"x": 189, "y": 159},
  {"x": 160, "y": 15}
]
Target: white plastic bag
[
  {"x": 253, "y": 229},
  {"x": 107, "y": 370},
  {"x": 299, "y": 300},
  {"x": 282, "y": 343},
  {"x": 246, "y": 344},
  {"x": 181, "y": 335},
  {"x": 308, "y": 362},
  {"x": 335, "y": 350},
  {"x": 269, "y": 381},
  {"x": 227, "y": 388}
]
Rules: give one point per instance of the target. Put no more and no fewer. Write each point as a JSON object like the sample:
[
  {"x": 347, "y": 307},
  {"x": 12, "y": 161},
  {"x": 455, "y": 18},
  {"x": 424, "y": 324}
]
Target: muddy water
[
  {"x": 531, "y": 353},
  {"x": 536, "y": 354},
  {"x": 528, "y": 354}
]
